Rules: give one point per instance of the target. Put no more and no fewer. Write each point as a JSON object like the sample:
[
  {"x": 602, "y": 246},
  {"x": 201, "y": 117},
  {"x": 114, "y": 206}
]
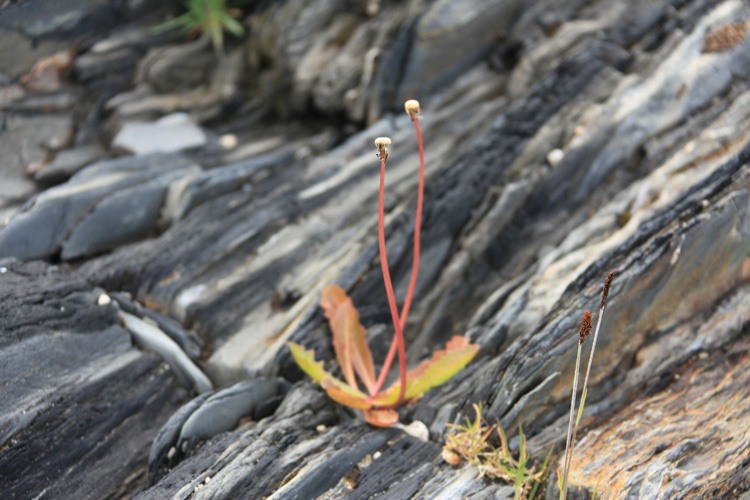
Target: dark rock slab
[
  {"x": 83, "y": 216},
  {"x": 67, "y": 163},
  {"x": 80, "y": 405}
]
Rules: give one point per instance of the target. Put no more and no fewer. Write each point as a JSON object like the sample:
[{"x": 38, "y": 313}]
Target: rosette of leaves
[
  {"x": 355, "y": 360},
  {"x": 349, "y": 342}
]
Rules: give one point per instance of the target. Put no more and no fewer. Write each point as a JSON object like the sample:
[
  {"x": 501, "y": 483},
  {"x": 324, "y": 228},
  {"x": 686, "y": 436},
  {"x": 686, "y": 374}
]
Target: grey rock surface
[
  {"x": 99, "y": 208},
  {"x": 80, "y": 405},
  {"x": 582, "y": 138}
]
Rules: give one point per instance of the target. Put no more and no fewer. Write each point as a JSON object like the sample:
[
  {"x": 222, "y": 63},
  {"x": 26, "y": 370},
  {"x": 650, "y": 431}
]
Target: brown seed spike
[
  {"x": 605, "y": 292},
  {"x": 586, "y": 327}
]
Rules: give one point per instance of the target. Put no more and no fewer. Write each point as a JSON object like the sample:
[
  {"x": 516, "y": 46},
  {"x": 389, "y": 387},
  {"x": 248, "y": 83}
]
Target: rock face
[{"x": 563, "y": 140}]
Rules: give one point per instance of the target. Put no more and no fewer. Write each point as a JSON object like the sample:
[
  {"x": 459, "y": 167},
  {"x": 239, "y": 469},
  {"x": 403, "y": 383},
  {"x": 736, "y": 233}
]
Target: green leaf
[
  {"x": 232, "y": 25},
  {"x": 433, "y": 372},
  {"x": 443, "y": 365},
  {"x": 335, "y": 388},
  {"x": 580, "y": 408},
  {"x": 503, "y": 443},
  {"x": 541, "y": 473},
  {"x": 306, "y": 361},
  {"x": 521, "y": 469}
]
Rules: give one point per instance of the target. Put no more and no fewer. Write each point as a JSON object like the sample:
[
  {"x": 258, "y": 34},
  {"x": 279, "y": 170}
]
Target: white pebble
[
  {"x": 376, "y": 455},
  {"x": 555, "y": 156},
  {"x": 3, "y": 270},
  {"x": 416, "y": 429},
  {"x": 103, "y": 300},
  {"x": 228, "y": 141}
]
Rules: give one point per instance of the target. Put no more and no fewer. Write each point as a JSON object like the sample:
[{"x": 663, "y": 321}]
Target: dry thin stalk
[
  {"x": 583, "y": 332},
  {"x": 571, "y": 439}
]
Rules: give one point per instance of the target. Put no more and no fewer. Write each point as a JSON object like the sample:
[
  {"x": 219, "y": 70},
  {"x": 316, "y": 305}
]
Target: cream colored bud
[
  {"x": 412, "y": 107},
  {"x": 382, "y": 144}
]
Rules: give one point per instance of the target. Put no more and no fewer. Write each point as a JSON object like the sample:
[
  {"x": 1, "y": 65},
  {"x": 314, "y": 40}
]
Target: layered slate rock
[
  {"x": 100, "y": 208},
  {"x": 80, "y": 405},
  {"x": 587, "y": 137}
]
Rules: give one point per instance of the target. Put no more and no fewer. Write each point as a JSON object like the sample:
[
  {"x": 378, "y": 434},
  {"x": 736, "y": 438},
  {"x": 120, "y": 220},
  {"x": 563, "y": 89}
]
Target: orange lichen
[{"x": 724, "y": 37}]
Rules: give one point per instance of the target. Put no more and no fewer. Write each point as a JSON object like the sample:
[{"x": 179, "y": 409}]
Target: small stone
[
  {"x": 416, "y": 429},
  {"x": 103, "y": 300},
  {"x": 703, "y": 355},
  {"x": 376, "y": 455},
  {"x": 321, "y": 428},
  {"x": 450, "y": 456},
  {"x": 555, "y": 156},
  {"x": 228, "y": 141},
  {"x": 3, "y": 270},
  {"x": 174, "y": 132}
]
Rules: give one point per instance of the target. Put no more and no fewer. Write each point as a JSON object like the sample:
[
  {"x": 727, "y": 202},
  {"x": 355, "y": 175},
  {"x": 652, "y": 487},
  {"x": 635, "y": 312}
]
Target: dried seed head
[
  {"x": 412, "y": 108},
  {"x": 585, "y": 329},
  {"x": 382, "y": 144},
  {"x": 605, "y": 292}
]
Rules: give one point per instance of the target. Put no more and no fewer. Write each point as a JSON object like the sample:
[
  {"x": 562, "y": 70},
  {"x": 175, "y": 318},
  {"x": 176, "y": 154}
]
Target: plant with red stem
[{"x": 352, "y": 352}]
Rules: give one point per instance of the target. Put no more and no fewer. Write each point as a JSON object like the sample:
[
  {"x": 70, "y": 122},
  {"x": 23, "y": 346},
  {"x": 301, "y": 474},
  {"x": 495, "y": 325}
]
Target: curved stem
[
  {"x": 415, "y": 262},
  {"x": 399, "y": 337}
]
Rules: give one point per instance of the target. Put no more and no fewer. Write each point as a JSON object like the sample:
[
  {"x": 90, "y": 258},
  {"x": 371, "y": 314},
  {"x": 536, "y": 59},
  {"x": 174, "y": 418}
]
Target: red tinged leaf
[
  {"x": 381, "y": 418},
  {"x": 336, "y": 389},
  {"x": 345, "y": 395},
  {"x": 433, "y": 372},
  {"x": 349, "y": 343}
]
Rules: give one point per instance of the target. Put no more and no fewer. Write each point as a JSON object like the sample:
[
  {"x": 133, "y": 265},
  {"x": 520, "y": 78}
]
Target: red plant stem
[
  {"x": 414, "y": 266},
  {"x": 399, "y": 337}
]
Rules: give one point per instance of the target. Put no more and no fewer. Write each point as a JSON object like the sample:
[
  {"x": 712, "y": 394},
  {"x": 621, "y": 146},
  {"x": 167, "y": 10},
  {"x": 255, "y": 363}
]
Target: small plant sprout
[
  {"x": 584, "y": 331},
  {"x": 470, "y": 442},
  {"x": 349, "y": 343},
  {"x": 209, "y": 17}
]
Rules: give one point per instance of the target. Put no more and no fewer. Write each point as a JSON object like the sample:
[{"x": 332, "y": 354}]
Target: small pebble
[
  {"x": 416, "y": 429},
  {"x": 228, "y": 141},
  {"x": 103, "y": 300},
  {"x": 376, "y": 455},
  {"x": 555, "y": 156},
  {"x": 450, "y": 456},
  {"x": 703, "y": 355},
  {"x": 3, "y": 270},
  {"x": 321, "y": 428}
]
